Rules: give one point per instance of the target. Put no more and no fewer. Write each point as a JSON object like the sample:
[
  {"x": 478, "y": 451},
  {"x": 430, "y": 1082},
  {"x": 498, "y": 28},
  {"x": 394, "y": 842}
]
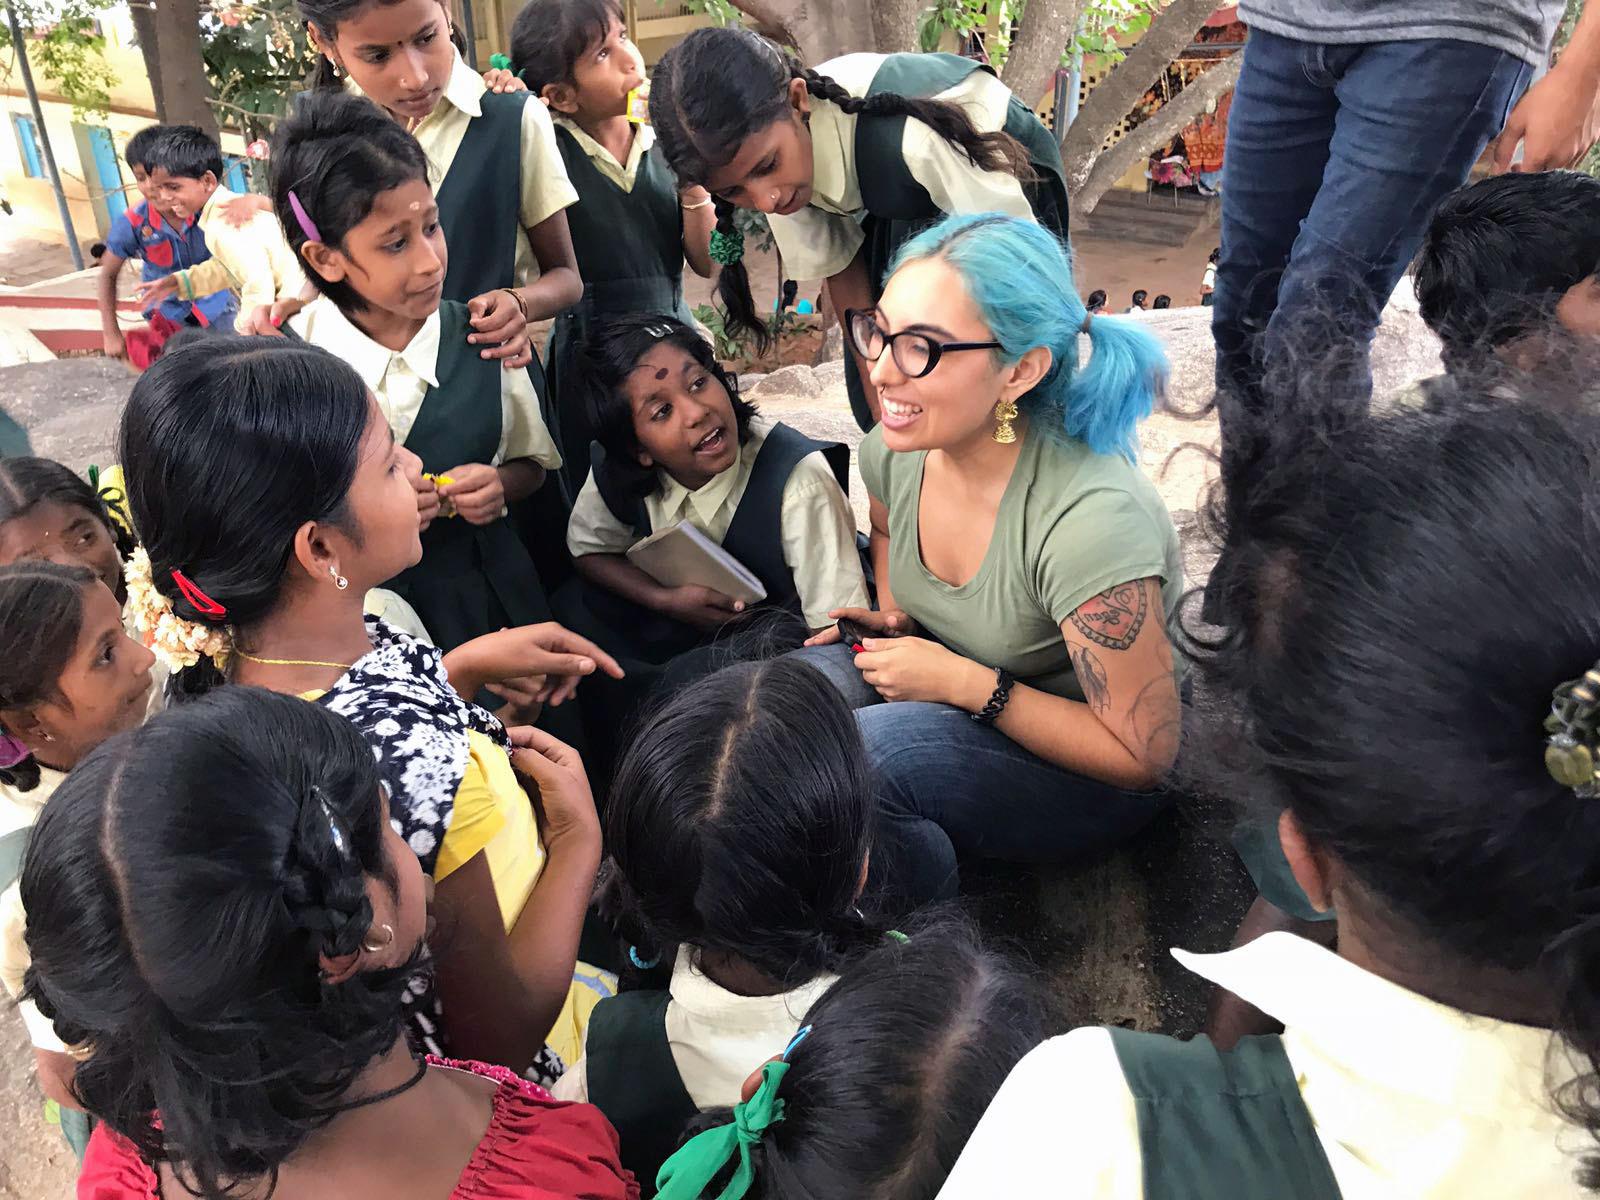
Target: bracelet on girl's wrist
[
  {"x": 522, "y": 304},
  {"x": 706, "y": 203},
  {"x": 991, "y": 711}
]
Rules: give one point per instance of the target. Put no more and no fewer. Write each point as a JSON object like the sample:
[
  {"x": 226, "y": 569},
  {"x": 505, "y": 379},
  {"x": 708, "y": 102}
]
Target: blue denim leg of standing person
[
  {"x": 1336, "y": 157},
  {"x": 949, "y": 787}
]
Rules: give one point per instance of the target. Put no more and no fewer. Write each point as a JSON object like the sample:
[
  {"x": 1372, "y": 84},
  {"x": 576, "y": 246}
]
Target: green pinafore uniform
[
  {"x": 898, "y": 207},
  {"x": 629, "y": 245}
]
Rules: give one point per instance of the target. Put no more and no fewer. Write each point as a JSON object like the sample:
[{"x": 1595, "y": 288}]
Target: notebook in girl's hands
[{"x": 681, "y": 554}]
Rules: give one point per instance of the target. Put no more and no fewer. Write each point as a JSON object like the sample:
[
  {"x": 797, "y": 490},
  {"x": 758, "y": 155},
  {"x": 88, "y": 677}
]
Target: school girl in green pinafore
[
  {"x": 352, "y": 191},
  {"x": 847, "y": 160},
  {"x": 632, "y": 229}
]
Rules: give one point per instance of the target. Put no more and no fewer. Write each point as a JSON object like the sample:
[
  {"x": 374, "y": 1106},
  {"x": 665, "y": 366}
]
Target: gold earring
[
  {"x": 372, "y": 947},
  {"x": 1004, "y": 414},
  {"x": 339, "y": 581}
]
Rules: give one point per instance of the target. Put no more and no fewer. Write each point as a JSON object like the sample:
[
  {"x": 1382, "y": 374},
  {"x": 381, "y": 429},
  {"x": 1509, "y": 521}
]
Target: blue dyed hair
[{"x": 1020, "y": 277}]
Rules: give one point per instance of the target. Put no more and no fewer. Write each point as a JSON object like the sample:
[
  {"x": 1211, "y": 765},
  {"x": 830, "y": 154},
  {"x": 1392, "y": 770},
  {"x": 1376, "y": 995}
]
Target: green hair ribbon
[
  {"x": 687, "y": 1174},
  {"x": 726, "y": 248}
]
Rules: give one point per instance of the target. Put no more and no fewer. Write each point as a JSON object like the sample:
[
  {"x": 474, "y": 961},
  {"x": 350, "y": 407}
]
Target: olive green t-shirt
[{"x": 1071, "y": 524}]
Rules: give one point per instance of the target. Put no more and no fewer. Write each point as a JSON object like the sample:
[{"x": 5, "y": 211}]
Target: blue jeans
[
  {"x": 1337, "y": 156},
  {"x": 948, "y": 786}
]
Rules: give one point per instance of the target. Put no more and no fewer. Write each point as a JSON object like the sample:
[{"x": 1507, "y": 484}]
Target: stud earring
[
  {"x": 373, "y": 947},
  {"x": 339, "y": 581},
  {"x": 1004, "y": 414}
]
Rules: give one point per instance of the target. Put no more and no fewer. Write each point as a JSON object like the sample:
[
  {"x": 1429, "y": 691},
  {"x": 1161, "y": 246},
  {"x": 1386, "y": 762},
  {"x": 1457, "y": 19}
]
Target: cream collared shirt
[
  {"x": 818, "y": 525},
  {"x": 254, "y": 260},
  {"x": 717, "y": 1037},
  {"x": 621, "y": 174},
  {"x": 1411, "y": 1100},
  {"x": 821, "y": 239},
  {"x": 400, "y": 379},
  {"x": 19, "y": 810},
  {"x": 546, "y": 190}
]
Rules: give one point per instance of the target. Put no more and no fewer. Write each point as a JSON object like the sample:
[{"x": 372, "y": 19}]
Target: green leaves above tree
[
  {"x": 257, "y": 55},
  {"x": 66, "y": 46}
]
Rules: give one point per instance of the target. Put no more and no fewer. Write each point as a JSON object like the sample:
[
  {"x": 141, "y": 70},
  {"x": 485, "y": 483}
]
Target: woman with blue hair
[{"x": 1026, "y": 567}]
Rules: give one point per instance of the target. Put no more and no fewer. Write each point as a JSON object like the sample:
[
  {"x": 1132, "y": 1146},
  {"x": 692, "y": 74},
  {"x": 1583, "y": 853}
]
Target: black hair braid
[
  {"x": 324, "y": 888},
  {"x": 996, "y": 151},
  {"x": 739, "y": 312}
]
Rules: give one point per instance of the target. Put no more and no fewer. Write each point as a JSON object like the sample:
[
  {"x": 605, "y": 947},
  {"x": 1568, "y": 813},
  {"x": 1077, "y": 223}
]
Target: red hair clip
[{"x": 202, "y": 602}]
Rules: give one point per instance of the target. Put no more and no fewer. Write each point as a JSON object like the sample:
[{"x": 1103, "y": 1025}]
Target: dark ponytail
[
  {"x": 41, "y": 614},
  {"x": 741, "y": 820},
  {"x": 1409, "y": 590},
  {"x": 182, "y": 886},
  {"x": 717, "y": 87},
  {"x": 229, "y": 446},
  {"x": 903, "y": 1056}
]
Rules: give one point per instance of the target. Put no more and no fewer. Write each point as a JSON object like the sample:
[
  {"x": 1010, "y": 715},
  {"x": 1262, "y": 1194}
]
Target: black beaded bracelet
[{"x": 997, "y": 701}]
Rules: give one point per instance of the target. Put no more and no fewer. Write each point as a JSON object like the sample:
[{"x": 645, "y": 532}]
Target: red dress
[{"x": 536, "y": 1148}]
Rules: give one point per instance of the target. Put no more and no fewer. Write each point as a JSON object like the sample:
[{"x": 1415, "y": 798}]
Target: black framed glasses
[{"x": 914, "y": 353}]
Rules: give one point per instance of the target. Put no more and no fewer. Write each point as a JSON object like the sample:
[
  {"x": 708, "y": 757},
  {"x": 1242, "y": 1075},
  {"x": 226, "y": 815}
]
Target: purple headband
[
  {"x": 307, "y": 227},
  {"x": 11, "y": 751}
]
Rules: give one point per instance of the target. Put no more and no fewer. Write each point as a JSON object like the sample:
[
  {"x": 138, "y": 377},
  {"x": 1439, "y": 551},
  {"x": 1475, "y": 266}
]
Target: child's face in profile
[
  {"x": 141, "y": 180},
  {"x": 682, "y": 416},
  {"x": 605, "y": 73},
  {"x": 1578, "y": 310},
  {"x": 395, "y": 257}
]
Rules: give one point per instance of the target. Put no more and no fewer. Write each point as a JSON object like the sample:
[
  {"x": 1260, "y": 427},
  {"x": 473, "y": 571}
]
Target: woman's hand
[
  {"x": 890, "y": 623},
  {"x": 565, "y": 804},
  {"x": 501, "y": 328},
  {"x": 476, "y": 492},
  {"x": 913, "y": 668},
  {"x": 548, "y": 650}
]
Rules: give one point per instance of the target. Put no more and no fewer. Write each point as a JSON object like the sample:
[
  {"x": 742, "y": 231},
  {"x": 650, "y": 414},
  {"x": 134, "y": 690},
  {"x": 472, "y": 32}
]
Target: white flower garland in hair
[{"x": 176, "y": 642}]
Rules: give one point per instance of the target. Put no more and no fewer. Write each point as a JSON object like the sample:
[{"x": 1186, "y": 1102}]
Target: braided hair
[
  {"x": 717, "y": 87},
  {"x": 183, "y": 885},
  {"x": 740, "y": 822}
]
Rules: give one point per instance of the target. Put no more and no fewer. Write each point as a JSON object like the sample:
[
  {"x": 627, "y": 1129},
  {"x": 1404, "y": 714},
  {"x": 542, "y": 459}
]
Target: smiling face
[
  {"x": 954, "y": 403},
  {"x": 603, "y": 76},
  {"x": 682, "y": 416},
  {"x": 180, "y": 196},
  {"x": 101, "y": 691},
  {"x": 66, "y": 534},
  {"x": 398, "y": 53},
  {"x": 395, "y": 258},
  {"x": 772, "y": 172}
]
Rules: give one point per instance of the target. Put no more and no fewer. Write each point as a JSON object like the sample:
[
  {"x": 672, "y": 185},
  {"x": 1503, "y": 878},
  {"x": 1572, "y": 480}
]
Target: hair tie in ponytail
[
  {"x": 687, "y": 1174},
  {"x": 727, "y": 248},
  {"x": 1574, "y": 729}
]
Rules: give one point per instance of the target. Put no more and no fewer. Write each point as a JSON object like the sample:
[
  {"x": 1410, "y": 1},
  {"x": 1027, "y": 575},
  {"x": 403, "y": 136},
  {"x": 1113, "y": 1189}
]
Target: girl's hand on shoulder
[
  {"x": 564, "y": 803},
  {"x": 501, "y": 327},
  {"x": 913, "y": 668},
  {"x": 241, "y": 210},
  {"x": 476, "y": 492},
  {"x": 500, "y": 80}
]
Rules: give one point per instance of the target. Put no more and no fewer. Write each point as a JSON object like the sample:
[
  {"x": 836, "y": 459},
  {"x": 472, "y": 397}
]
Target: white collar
[
  {"x": 1377, "y": 1030},
  {"x": 341, "y": 337},
  {"x": 707, "y": 1001},
  {"x": 643, "y": 138}
]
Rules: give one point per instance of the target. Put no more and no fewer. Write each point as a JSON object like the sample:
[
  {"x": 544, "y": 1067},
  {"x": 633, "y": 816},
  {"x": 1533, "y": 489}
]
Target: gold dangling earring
[{"x": 1004, "y": 414}]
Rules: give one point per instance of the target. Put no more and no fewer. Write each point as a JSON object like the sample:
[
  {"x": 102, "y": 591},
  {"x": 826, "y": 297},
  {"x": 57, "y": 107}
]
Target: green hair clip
[
  {"x": 687, "y": 1174},
  {"x": 499, "y": 62},
  {"x": 726, "y": 248},
  {"x": 1574, "y": 729}
]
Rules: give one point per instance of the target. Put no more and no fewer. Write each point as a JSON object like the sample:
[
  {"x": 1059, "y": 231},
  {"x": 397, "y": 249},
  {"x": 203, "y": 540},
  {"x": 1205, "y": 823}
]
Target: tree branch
[
  {"x": 1160, "y": 129},
  {"x": 1113, "y": 98},
  {"x": 1042, "y": 36}
]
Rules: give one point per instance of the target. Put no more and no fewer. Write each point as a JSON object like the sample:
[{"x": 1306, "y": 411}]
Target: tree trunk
[
  {"x": 894, "y": 25},
  {"x": 1043, "y": 35},
  {"x": 144, "y": 28},
  {"x": 818, "y": 29},
  {"x": 1154, "y": 133},
  {"x": 1113, "y": 98},
  {"x": 183, "y": 71}
]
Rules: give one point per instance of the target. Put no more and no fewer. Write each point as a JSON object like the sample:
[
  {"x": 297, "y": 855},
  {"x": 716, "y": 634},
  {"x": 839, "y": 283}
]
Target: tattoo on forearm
[
  {"x": 1114, "y": 617},
  {"x": 1092, "y": 678}
]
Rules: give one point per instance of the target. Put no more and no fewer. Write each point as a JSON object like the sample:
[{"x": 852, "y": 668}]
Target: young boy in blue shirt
[{"x": 163, "y": 244}]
